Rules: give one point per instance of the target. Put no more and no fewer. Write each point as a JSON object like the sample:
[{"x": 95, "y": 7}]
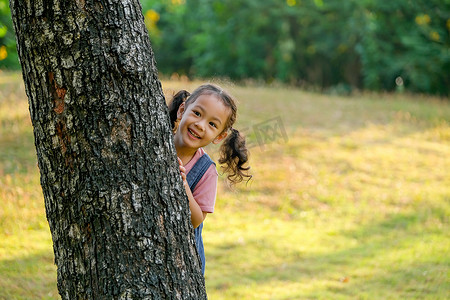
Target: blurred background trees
[
  {"x": 8, "y": 52},
  {"x": 328, "y": 44}
]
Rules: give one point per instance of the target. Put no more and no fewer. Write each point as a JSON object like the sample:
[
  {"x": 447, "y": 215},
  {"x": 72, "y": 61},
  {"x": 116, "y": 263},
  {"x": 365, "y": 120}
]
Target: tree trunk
[{"x": 114, "y": 199}]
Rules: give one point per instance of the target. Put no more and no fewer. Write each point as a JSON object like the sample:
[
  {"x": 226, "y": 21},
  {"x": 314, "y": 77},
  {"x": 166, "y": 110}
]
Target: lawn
[{"x": 350, "y": 199}]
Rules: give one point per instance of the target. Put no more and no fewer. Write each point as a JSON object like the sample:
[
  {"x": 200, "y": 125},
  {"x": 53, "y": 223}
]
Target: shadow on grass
[
  {"x": 29, "y": 277},
  {"x": 384, "y": 263}
]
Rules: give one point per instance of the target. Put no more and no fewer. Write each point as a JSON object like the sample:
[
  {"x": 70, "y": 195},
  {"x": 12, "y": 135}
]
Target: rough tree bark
[{"x": 112, "y": 190}]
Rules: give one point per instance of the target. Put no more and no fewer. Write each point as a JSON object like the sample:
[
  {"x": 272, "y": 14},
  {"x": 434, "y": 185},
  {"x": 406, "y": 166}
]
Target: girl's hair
[
  {"x": 233, "y": 152},
  {"x": 177, "y": 99}
]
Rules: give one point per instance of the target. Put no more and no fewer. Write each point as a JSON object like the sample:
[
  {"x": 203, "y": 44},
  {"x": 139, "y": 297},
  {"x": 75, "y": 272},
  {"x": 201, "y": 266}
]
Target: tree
[{"x": 114, "y": 200}]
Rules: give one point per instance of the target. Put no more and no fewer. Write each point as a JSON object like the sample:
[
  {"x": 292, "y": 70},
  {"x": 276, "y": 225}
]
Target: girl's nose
[{"x": 200, "y": 126}]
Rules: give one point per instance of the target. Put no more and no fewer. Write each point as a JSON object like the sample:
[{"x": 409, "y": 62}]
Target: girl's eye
[
  {"x": 197, "y": 113},
  {"x": 212, "y": 124}
]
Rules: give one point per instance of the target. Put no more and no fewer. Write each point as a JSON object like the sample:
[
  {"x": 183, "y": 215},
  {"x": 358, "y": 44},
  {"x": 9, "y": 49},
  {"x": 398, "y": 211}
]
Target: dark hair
[
  {"x": 233, "y": 152},
  {"x": 177, "y": 99}
]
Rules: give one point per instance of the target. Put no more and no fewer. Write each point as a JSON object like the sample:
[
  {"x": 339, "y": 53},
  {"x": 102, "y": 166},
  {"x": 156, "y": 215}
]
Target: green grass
[{"x": 354, "y": 205}]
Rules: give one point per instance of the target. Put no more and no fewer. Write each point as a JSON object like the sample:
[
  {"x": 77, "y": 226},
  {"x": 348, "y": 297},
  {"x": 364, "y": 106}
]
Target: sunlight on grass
[{"x": 352, "y": 203}]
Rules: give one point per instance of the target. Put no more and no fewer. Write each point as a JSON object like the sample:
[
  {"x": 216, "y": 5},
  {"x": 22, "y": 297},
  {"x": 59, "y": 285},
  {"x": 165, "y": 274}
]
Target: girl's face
[{"x": 202, "y": 122}]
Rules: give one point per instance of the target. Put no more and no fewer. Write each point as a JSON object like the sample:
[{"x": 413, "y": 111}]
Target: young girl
[{"x": 198, "y": 119}]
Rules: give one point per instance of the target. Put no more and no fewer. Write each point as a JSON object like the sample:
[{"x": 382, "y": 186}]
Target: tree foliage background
[{"x": 330, "y": 44}]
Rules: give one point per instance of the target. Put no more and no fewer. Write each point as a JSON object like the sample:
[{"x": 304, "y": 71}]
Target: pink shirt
[{"x": 205, "y": 191}]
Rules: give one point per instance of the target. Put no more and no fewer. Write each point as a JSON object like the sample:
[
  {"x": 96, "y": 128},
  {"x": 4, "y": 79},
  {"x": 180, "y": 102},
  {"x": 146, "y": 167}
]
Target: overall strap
[{"x": 198, "y": 170}]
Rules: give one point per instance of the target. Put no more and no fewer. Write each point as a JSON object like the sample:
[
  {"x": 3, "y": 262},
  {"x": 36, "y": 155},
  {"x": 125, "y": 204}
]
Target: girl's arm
[{"x": 197, "y": 215}]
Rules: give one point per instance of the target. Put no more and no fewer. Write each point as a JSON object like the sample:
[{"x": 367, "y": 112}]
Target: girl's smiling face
[{"x": 202, "y": 122}]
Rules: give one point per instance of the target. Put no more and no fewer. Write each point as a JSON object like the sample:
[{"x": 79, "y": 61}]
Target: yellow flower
[
  {"x": 291, "y": 2},
  {"x": 178, "y": 2},
  {"x": 423, "y": 19},
  {"x": 435, "y": 36},
  {"x": 3, "y": 53},
  {"x": 152, "y": 15},
  {"x": 151, "y": 18}
]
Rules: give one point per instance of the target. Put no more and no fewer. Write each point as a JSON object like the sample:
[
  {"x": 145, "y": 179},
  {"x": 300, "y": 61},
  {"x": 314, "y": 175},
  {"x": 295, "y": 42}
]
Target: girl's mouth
[{"x": 193, "y": 134}]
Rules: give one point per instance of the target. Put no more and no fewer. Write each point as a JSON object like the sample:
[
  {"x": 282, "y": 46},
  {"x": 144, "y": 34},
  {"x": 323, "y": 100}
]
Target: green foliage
[
  {"x": 407, "y": 39},
  {"x": 335, "y": 45},
  {"x": 332, "y": 44},
  {"x": 8, "y": 50}
]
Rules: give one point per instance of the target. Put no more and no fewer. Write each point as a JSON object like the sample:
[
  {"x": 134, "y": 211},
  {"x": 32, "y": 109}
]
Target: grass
[{"x": 351, "y": 203}]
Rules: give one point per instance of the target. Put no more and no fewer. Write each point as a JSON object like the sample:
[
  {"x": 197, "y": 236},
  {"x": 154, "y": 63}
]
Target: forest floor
[{"x": 350, "y": 199}]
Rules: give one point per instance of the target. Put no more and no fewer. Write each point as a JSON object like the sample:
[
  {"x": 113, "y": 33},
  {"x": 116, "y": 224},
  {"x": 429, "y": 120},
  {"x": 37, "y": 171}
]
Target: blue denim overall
[{"x": 193, "y": 177}]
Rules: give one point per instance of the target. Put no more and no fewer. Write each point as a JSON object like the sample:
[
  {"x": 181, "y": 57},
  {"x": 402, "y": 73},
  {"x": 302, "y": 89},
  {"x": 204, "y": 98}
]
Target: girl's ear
[
  {"x": 180, "y": 111},
  {"x": 219, "y": 138}
]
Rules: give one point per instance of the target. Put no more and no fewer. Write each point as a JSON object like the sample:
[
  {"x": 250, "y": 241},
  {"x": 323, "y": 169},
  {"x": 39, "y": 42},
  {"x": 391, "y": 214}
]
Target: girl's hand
[{"x": 182, "y": 171}]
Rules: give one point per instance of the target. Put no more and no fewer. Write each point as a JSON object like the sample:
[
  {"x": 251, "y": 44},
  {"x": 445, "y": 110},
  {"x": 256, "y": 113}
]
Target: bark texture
[{"x": 114, "y": 199}]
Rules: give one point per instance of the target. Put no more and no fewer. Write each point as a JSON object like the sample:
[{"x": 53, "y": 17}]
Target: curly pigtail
[
  {"x": 177, "y": 99},
  {"x": 234, "y": 154}
]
